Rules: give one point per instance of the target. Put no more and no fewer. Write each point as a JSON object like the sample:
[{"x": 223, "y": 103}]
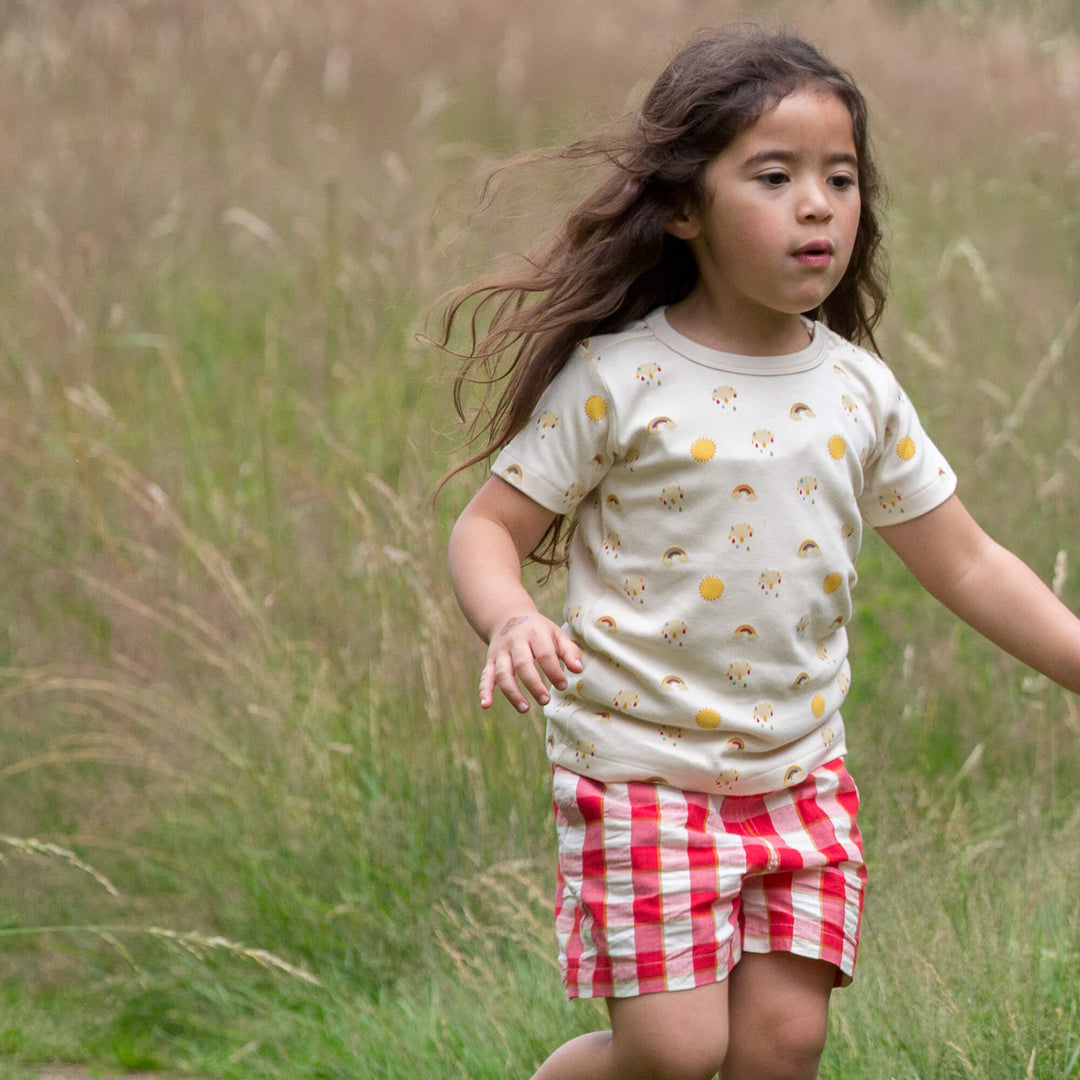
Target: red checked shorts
[{"x": 661, "y": 889}]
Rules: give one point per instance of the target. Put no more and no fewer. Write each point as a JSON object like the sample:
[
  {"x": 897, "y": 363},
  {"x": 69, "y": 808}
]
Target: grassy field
[{"x": 252, "y": 823}]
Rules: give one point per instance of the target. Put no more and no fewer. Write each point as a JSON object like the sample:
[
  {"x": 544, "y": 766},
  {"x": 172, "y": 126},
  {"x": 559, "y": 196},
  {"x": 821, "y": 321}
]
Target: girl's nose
[{"x": 815, "y": 204}]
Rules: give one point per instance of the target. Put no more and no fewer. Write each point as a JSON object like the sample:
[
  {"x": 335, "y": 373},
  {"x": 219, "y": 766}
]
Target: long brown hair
[{"x": 613, "y": 260}]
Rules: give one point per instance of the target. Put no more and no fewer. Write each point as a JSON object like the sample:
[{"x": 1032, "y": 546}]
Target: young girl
[{"x": 686, "y": 407}]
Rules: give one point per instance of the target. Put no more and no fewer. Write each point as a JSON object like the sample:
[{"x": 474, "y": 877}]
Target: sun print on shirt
[
  {"x": 711, "y": 588},
  {"x": 596, "y": 408},
  {"x": 703, "y": 450}
]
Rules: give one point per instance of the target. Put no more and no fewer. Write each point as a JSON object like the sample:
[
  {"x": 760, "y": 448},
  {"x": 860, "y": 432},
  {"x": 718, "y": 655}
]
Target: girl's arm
[
  {"x": 990, "y": 589},
  {"x": 495, "y": 532}
]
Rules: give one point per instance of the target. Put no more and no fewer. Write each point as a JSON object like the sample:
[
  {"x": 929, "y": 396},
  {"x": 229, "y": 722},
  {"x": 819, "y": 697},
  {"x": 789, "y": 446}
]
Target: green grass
[{"x": 233, "y": 681}]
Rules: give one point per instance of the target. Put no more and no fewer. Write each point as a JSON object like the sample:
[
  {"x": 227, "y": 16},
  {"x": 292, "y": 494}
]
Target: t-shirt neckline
[{"x": 789, "y": 363}]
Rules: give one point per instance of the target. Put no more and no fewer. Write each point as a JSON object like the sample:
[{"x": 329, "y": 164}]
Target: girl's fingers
[
  {"x": 487, "y": 686},
  {"x": 569, "y": 652},
  {"x": 506, "y": 673},
  {"x": 526, "y": 659},
  {"x": 500, "y": 673},
  {"x": 522, "y": 658},
  {"x": 547, "y": 658}
]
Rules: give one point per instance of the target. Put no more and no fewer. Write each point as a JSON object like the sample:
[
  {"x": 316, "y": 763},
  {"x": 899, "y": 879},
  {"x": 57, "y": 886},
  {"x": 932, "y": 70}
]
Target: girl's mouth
[{"x": 815, "y": 252}]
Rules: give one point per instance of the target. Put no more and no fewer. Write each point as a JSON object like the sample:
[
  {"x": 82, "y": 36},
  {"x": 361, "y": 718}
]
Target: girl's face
[{"x": 781, "y": 215}]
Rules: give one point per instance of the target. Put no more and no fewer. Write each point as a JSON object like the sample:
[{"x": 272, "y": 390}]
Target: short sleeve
[
  {"x": 907, "y": 475},
  {"x": 563, "y": 451}
]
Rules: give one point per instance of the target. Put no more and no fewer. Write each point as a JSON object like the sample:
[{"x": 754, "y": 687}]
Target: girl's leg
[
  {"x": 667, "y": 1036},
  {"x": 777, "y": 1011}
]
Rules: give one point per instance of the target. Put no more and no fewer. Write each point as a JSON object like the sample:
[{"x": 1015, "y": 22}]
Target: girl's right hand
[{"x": 529, "y": 648}]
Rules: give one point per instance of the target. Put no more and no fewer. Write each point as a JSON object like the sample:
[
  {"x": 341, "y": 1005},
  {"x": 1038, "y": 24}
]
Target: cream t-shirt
[{"x": 719, "y": 502}]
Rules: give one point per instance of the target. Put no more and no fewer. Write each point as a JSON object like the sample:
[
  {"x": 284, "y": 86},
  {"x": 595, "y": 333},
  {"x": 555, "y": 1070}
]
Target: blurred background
[{"x": 252, "y": 822}]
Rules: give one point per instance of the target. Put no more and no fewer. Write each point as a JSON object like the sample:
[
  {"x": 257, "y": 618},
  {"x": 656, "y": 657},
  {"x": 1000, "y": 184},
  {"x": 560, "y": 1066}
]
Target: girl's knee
[
  {"x": 779, "y": 1017},
  {"x": 801, "y": 1037},
  {"x": 781, "y": 1047},
  {"x": 671, "y": 1036}
]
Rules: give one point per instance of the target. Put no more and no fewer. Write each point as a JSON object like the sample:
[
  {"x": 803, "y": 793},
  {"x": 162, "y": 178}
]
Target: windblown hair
[{"x": 613, "y": 260}]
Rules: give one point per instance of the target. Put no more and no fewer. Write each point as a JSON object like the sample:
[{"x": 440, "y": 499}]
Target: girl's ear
[{"x": 685, "y": 225}]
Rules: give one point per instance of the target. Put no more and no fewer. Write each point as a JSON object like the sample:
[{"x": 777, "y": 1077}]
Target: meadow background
[{"x": 252, "y": 823}]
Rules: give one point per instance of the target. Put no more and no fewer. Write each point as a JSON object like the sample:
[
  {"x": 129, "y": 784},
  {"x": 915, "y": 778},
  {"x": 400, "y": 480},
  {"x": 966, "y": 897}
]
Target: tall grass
[{"x": 252, "y": 822}]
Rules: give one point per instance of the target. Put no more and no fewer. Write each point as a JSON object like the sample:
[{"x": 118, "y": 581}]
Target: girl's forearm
[
  {"x": 991, "y": 589},
  {"x": 495, "y": 532},
  {"x": 1007, "y": 602},
  {"x": 485, "y": 571}
]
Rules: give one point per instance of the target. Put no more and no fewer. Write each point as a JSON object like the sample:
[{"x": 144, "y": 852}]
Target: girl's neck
[{"x": 774, "y": 334}]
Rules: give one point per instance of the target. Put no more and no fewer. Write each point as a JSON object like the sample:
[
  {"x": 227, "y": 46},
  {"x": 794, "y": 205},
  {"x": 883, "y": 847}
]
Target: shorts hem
[
  {"x": 707, "y": 968},
  {"x": 586, "y": 991}
]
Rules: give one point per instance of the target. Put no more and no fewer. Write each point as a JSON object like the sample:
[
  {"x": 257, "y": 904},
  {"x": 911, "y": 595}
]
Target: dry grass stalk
[
  {"x": 189, "y": 942},
  {"x": 1048, "y": 363},
  {"x": 150, "y": 498},
  {"x": 200, "y": 945},
  {"x": 504, "y": 903},
  {"x": 31, "y": 846}
]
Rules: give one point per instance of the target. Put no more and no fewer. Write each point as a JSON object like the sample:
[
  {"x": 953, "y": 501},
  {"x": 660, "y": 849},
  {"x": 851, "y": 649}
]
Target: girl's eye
[
  {"x": 773, "y": 179},
  {"x": 842, "y": 181}
]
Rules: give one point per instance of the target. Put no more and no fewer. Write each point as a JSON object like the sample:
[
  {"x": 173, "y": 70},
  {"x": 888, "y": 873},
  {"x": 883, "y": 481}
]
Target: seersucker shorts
[{"x": 661, "y": 889}]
